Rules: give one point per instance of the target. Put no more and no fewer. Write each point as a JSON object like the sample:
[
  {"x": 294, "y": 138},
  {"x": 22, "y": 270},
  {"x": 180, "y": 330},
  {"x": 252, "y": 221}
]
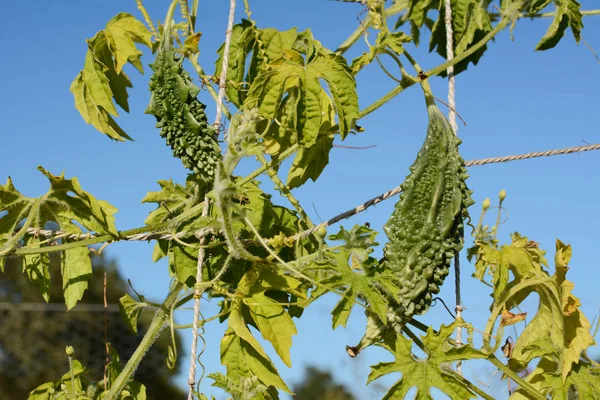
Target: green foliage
[
  {"x": 283, "y": 81},
  {"x": 130, "y": 311},
  {"x": 181, "y": 117},
  {"x": 67, "y": 205},
  {"x": 425, "y": 230},
  {"x": 558, "y": 336},
  {"x": 568, "y": 14},
  {"x": 432, "y": 372},
  {"x": 75, "y": 384},
  {"x": 102, "y": 79},
  {"x": 293, "y": 96},
  {"x": 33, "y": 341}
]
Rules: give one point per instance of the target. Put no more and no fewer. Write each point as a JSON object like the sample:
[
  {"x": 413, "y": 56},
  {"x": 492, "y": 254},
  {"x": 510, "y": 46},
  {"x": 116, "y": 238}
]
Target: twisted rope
[
  {"x": 194, "y": 358},
  {"x": 347, "y": 214},
  {"x": 452, "y": 119}
]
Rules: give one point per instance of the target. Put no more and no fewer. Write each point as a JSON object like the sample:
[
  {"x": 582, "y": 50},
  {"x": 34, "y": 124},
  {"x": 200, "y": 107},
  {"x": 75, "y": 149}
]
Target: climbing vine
[{"x": 290, "y": 97}]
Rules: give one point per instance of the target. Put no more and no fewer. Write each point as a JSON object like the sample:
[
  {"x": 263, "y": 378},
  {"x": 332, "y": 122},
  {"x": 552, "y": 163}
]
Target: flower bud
[
  {"x": 502, "y": 194},
  {"x": 70, "y": 351},
  {"x": 486, "y": 204}
]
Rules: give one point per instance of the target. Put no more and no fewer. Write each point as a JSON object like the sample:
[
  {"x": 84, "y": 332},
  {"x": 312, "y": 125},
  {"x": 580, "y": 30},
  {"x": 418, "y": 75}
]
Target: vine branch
[{"x": 140, "y": 235}]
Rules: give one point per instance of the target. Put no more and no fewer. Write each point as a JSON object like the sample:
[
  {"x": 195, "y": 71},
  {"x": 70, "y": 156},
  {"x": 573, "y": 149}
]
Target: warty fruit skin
[
  {"x": 425, "y": 230},
  {"x": 181, "y": 116}
]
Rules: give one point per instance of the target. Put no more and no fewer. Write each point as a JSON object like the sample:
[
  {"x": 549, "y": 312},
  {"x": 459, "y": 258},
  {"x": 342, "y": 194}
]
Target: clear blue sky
[{"x": 515, "y": 101}]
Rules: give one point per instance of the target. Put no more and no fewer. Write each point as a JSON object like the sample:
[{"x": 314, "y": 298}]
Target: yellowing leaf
[
  {"x": 243, "y": 362},
  {"x": 274, "y": 324},
  {"x": 122, "y": 32},
  {"x": 238, "y": 325},
  {"x": 102, "y": 78},
  {"x": 509, "y": 318}
]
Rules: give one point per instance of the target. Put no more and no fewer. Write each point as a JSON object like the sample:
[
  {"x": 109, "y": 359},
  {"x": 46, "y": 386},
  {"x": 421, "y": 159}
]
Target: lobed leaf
[
  {"x": 102, "y": 79},
  {"x": 431, "y": 372}
]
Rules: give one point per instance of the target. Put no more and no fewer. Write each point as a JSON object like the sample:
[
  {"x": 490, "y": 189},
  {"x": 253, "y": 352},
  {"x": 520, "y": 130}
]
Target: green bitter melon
[
  {"x": 425, "y": 230},
  {"x": 181, "y": 117}
]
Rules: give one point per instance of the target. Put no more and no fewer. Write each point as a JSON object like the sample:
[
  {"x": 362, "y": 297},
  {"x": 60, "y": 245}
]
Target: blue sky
[{"x": 515, "y": 101}]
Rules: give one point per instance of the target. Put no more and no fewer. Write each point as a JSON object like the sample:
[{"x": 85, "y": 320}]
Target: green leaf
[
  {"x": 303, "y": 70},
  {"x": 243, "y": 40},
  {"x": 183, "y": 263},
  {"x": 431, "y": 372},
  {"x": 37, "y": 267},
  {"x": 102, "y": 78},
  {"x": 64, "y": 203},
  {"x": 359, "y": 241},
  {"x": 274, "y": 324},
  {"x": 567, "y": 14},
  {"x": 238, "y": 325},
  {"x": 130, "y": 310},
  {"x": 76, "y": 270},
  {"x": 309, "y": 162},
  {"x": 41, "y": 392},
  {"x": 67, "y": 205},
  {"x": 245, "y": 366},
  {"x": 122, "y": 32},
  {"x": 470, "y": 23},
  {"x": 263, "y": 368},
  {"x": 337, "y": 273},
  {"x": 584, "y": 379}
]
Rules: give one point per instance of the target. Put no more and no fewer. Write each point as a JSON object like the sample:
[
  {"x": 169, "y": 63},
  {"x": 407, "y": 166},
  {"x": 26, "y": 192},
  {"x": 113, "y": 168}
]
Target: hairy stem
[
  {"x": 286, "y": 192},
  {"x": 353, "y": 38},
  {"x": 270, "y": 164},
  {"x": 437, "y": 70},
  {"x": 147, "y": 18},
  {"x": 154, "y": 330}
]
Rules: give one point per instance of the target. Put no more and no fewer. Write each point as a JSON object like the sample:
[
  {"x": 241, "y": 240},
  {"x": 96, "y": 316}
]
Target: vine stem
[
  {"x": 197, "y": 295},
  {"x": 286, "y": 192},
  {"x": 154, "y": 330},
  {"x": 515, "y": 377},
  {"x": 147, "y": 18},
  {"x": 157, "y": 230},
  {"x": 437, "y": 70}
]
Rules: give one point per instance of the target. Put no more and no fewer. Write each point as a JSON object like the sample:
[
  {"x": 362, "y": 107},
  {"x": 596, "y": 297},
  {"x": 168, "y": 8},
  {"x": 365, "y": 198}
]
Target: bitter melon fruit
[
  {"x": 425, "y": 230},
  {"x": 180, "y": 115}
]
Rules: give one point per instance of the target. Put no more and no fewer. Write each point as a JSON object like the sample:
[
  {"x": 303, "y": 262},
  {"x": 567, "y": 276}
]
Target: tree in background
[
  {"x": 320, "y": 384},
  {"x": 33, "y": 336}
]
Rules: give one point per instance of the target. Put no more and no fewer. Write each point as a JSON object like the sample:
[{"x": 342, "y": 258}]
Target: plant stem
[
  {"x": 515, "y": 377},
  {"x": 270, "y": 164},
  {"x": 210, "y": 89},
  {"x": 470, "y": 385},
  {"x": 353, "y": 38},
  {"x": 147, "y": 18},
  {"x": 154, "y": 330},
  {"x": 437, "y": 70},
  {"x": 286, "y": 192}
]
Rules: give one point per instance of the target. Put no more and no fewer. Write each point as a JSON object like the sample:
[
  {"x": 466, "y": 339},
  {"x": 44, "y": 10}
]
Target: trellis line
[{"x": 337, "y": 218}]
